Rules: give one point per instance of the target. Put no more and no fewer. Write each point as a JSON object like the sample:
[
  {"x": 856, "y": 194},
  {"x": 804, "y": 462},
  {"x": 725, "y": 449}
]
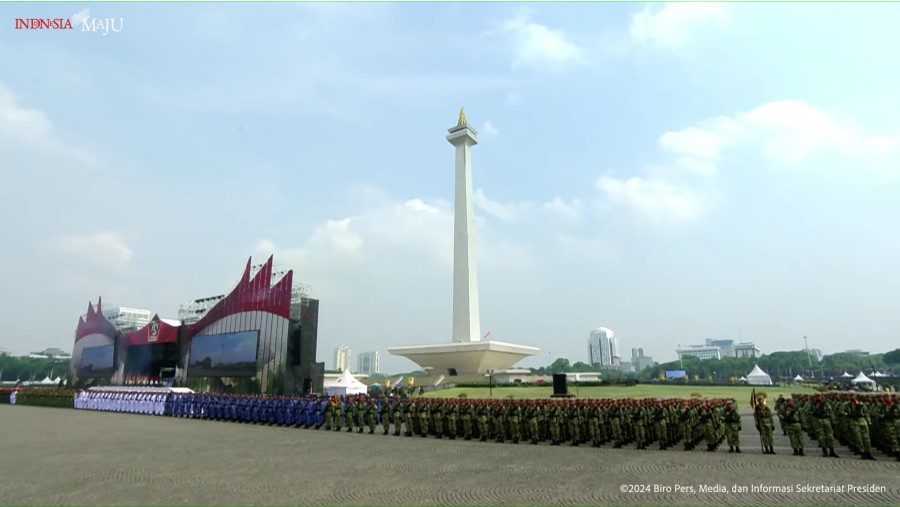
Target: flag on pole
[{"x": 753, "y": 399}]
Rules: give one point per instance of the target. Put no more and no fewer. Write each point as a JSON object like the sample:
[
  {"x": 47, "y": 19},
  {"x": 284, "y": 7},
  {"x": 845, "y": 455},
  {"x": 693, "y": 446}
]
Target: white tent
[
  {"x": 798, "y": 378},
  {"x": 346, "y": 384},
  {"x": 757, "y": 377},
  {"x": 743, "y": 379},
  {"x": 879, "y": 374},
  {"x": 846, "y": 375},
  {"x": 862, "y": 379}
]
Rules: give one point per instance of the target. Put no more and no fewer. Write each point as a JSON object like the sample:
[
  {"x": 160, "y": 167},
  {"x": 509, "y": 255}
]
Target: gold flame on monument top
[{"x": 462, "y": 117}]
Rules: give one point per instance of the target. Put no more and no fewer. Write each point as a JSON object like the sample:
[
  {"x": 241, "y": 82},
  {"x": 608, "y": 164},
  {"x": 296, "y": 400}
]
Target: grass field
[{"x": 739, "y": 393}]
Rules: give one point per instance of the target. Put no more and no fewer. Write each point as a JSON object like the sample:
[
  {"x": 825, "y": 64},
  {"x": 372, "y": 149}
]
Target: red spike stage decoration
[
  {"x": 256, "y": 295},
  {"x": 94, "y": 323}
]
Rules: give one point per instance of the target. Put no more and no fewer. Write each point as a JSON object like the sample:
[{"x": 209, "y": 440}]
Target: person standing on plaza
[
  {"x": 733, "y": 428},
  {"x": 765, "y": 425},
  {"x": 792, "y": 425}
]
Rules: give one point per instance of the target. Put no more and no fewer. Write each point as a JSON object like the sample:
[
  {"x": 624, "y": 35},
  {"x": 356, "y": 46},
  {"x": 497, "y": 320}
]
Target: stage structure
[
  {"x": 468, "y": 353},
  {"x": 259, "y": 338}
]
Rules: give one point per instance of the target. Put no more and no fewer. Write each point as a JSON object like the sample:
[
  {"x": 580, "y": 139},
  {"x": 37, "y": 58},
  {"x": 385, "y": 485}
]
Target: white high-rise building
[
  {"x": 368, "y": 363},
  {"x": 603, "y": 347},
  {"x": 342, "y": 358}
]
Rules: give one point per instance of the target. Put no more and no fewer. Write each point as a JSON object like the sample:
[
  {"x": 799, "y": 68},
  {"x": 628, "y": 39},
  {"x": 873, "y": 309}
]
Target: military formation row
[
  {"x": 858, "y": 421},
  {"x": 617, "y": 422}
]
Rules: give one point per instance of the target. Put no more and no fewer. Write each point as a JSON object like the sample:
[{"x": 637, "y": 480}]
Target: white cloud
[
  {"x": 592, "y": 249},
  {"x": 785, "y": 132},
  {"x": 393, "y": 235},
  {"x": 508, "y": 212},
  {"x": 23, "y": 128},
  {"x": 674, "y": 23},
  {"x": 556, "y": 210},
  {"x": 656, "y": 199},
  {"x": 569, "y": 211},
  {"x": 103, "y": 248},
  {"x": 490, "y": 129},
  {"x": 539, "y": 47}
]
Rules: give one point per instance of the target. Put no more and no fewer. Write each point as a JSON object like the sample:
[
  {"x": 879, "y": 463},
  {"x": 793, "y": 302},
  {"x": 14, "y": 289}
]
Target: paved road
[{"x": 69, "y": 457}]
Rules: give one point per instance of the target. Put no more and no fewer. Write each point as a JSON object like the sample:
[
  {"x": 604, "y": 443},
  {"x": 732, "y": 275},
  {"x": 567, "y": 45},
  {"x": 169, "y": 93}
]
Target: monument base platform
[{"x": 465, "y": 358}]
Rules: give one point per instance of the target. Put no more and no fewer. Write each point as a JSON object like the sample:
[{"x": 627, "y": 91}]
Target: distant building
[
  {"x": 856, "y": 352},
  {"x": 746, "y": 349},
  {"x": 639, "y": 361},
  {"x": 603, "y": 347},
  {"x": 49, "y": 354},
  {"x": 342, "y": 358},
  {"x": 702, "y": 352},
  {"x": 368, "y": 363},
  {"x": 727, "y": 347},
  {"x": 642, "y": 363},
  {"x": 625, "y": 367}
]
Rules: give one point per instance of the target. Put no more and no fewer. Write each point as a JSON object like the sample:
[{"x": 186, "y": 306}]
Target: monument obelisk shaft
[{"x": 466, "y": 318}]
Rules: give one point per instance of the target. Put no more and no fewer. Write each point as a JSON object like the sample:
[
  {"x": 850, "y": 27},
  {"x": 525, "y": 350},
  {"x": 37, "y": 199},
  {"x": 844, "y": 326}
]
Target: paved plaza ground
[{"x": 70, "y": 457}]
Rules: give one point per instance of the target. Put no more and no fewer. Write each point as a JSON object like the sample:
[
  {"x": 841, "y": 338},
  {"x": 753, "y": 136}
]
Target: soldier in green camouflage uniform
[
  {"x": 860, "y": 420},
  {"x": 452, "y": 413},
  {"x": 483, "y": 424},
  {"x": 615, "y": 425},
  {"x": 397, "y": 416},
  {"x": 556, "y": 419},
  {"x": 733, "y": 428},
  {"x": 330, "y": 408},
  {"x": 891, "y": 421},
  {"x": 424, "y": 419},
  {"x": 515, "y": 414},
  {"x": 437, "y": 417},
  {"x": 467, "y": 413},
  {"x": 765, "y": 425},
  {"x": 780, "y": 409},
  {"x": 660, "y": 413},
  {"x": 824, "y": 415},
  {"x": 574, "y": 422},
  {"x": 792, "y": 424},
  {"x": 372, "y": 416}
]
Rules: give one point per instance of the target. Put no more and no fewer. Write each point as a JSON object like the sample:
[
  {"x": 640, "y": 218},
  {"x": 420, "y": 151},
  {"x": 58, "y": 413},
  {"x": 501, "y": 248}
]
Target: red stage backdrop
[{"x": 154, "y": 333}]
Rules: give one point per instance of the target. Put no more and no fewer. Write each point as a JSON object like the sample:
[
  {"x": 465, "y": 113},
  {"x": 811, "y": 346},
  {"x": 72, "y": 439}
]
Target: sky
[{"x": 674, "y": 172}]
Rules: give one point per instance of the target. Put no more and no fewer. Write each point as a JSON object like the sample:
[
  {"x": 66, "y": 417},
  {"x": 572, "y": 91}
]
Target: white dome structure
[{"x": 603, "y": 331}]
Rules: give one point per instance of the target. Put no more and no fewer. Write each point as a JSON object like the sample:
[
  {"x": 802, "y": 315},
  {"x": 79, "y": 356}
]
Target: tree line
[
  {"x": 27, "y": 368},
  {"x": 779, "y": 365}
]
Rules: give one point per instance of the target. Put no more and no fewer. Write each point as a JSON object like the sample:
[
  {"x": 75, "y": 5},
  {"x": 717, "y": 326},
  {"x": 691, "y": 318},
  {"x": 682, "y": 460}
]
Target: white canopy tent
[
  {"x": 846, "y": 375},
  {"x": 346, "y": 385},
  {"x": 757, "y": 377},
  {"x": 743, "y": 379},
  {"x": 878, "y": 374},
  {"x": 862, "y": 379},
  {"x": 798, "y": 378}
]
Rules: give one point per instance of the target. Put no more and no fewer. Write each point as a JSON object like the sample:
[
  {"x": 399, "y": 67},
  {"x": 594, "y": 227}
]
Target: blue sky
[{"x": 675, "y": 172}]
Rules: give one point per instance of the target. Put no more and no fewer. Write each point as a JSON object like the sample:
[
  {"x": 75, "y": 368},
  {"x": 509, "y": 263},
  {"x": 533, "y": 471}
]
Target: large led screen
[
  {"x": 97, "y": 361},
  {"x": 224, "y": 355}
]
